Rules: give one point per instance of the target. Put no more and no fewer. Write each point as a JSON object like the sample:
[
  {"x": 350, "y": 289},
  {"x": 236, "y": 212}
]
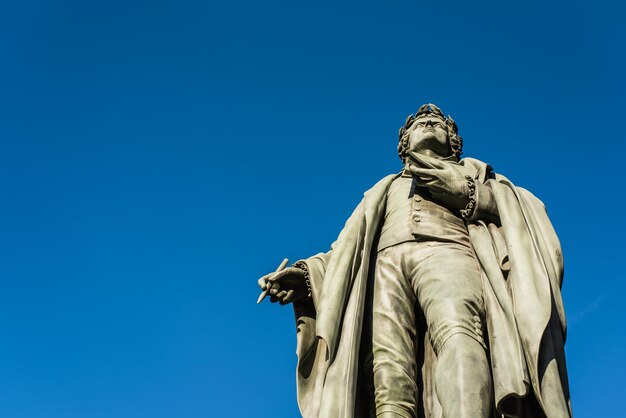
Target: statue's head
[{"x": 429, "y": 129}]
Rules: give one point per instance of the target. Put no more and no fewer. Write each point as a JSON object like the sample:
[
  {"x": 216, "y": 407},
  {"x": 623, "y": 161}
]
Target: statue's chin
[
  {"x": 430, "y": 150},
  {"x": 428, "y": 143}
]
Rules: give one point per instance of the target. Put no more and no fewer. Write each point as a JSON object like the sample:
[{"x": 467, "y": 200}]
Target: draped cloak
[{"x": 522, "y": 271}]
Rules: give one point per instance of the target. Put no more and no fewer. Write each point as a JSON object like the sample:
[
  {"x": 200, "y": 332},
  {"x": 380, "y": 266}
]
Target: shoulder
[
  {"x": 484, "y": 171},
  {"x": 382, "y": 185}
]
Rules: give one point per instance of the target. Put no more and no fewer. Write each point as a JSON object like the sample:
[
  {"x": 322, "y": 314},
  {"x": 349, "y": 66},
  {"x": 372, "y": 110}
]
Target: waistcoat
[{"x": 412, "y": 215}]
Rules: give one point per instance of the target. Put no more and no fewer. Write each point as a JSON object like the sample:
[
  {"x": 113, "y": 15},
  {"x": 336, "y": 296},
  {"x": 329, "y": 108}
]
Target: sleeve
[{"x": 486, "y": 208}]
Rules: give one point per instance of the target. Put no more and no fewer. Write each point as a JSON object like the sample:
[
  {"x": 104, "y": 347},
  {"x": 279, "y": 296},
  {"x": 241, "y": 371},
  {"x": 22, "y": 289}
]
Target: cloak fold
[{"x": 522, "y": 270}]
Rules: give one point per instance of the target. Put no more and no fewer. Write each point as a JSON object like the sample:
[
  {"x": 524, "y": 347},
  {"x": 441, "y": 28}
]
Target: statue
[{"x": 440, "y": 298}]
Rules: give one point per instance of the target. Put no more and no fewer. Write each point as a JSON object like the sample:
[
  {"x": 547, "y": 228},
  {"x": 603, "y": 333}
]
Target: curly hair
[{"x": 455, "y": 140}]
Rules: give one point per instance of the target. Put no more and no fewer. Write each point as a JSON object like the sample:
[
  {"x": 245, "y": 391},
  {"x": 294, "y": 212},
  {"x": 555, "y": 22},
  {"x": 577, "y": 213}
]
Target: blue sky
[{"x": 158, "y": 157}]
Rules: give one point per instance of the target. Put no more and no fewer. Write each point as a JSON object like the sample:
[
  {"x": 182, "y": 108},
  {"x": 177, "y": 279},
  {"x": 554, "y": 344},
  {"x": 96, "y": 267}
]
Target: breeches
[{"x": 440, "y": 279}]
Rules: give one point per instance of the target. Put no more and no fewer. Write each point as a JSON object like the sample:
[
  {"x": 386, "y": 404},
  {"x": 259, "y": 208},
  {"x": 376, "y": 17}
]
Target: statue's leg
[
  {"x": 462, "y": 378},
  {"x": 392, "y": 362},
  {"x": 449, "y": 287}
]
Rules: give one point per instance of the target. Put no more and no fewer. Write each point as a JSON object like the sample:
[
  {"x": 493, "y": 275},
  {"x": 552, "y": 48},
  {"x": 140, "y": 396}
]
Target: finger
[
  {"x": 426, "y": 161},
  {"x": 280, "y": 295},
  {"x": 264, "y": 280},
  {"x": 275, "y": 288},
  {"x": 261, "y": 283},
  {"x": 424, "y": 178},
  {"x": 429, "y": 182},
  {"x": 273, "y": 299},
  {"x": 422, "y": 172},
  {"x": 418, "y": 169},
  {"x": 279, "y": 275},
  {"x": 288, "y": 296},
  {"x": 433, "y": 184}
]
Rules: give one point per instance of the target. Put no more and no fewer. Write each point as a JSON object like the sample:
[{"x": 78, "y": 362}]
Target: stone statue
[{"x": 440, "y": 298}]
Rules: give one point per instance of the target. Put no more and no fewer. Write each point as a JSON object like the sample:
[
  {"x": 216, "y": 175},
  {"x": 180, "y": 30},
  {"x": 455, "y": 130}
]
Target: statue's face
[{"x": 429, "y": 135}]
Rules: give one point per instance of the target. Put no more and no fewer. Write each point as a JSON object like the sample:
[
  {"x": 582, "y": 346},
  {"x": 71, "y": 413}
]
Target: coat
[{"x": 522, "y": 270}]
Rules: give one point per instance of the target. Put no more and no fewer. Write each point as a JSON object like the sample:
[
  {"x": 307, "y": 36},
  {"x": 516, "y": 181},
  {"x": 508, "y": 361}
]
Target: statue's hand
[
  {"x": 445, "y": 180},
  {"x": 287, "y": 285}
]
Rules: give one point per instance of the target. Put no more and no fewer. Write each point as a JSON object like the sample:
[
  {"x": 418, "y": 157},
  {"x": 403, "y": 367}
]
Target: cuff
[
  {"x": 486, "y": 208},
  {"x": 302, "y": 266}
]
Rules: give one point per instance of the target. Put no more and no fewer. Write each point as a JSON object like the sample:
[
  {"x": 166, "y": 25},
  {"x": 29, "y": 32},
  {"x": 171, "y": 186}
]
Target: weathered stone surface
[{"x": 440, "y": 298}]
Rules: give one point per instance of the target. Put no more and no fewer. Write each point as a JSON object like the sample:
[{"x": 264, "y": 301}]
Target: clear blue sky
[{"x": 158, "y": 157}]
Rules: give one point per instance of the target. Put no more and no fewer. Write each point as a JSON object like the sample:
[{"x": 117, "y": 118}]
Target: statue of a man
[{"x": 440, "y": 298}]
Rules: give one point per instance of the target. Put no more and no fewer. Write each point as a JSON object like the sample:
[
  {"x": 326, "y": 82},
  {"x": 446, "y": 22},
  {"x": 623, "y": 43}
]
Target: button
[
  {"x": 416, "y": 218},
  {"x": 417, "y": 209},
  {"x": 417, "y": 198}
]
